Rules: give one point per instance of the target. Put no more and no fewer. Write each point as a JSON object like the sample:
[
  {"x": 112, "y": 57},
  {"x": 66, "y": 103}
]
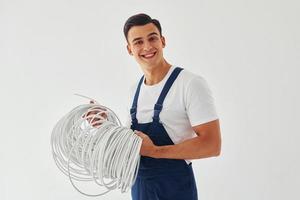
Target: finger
[
  {"x": 96, "y": 125},
  {"x": 136, "y": 132},
  {"x": 139, "y": 133}
]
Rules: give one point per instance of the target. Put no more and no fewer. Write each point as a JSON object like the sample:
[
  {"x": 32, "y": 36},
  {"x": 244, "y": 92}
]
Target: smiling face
[{"x": 146, "y": 45}]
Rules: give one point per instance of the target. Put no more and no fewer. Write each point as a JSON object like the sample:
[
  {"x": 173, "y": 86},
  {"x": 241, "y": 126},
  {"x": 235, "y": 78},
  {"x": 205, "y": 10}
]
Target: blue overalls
[{"x": 161, "y": 179}]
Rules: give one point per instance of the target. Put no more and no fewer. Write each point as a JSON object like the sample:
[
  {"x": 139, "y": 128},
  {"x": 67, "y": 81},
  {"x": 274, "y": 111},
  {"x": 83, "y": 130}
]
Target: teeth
[{"x": 149, "y": 55}]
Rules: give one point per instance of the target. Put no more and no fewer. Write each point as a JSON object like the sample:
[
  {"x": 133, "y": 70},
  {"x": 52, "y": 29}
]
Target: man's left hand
[{"x": 147, "y": 148}]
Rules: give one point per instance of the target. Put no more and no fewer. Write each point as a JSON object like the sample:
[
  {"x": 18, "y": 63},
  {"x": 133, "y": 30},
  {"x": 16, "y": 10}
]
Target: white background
[{"x": 248, "y": 51}]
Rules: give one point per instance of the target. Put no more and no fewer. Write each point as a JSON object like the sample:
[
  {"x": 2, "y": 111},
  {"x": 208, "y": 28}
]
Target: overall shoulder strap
[
  {"x": 159, "y": 104},
  {"x": 135, "y": 100}
]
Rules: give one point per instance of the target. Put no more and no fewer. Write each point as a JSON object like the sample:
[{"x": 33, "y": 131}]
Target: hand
[
  {"x": 97, "y": 120},
  {"x": 148, "y": 148}
]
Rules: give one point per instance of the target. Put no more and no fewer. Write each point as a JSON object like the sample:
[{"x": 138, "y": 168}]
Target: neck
[{"x": 155, "y": 74}]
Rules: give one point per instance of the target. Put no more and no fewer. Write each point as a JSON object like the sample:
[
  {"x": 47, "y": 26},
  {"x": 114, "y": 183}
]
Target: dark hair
[{"x": 139, "y": 20}]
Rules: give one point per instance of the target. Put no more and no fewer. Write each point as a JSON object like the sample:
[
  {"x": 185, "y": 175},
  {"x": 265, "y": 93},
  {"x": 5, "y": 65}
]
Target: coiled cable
[{"x": 90, "y": 144}]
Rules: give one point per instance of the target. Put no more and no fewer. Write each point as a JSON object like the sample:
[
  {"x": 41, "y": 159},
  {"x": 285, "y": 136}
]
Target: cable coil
[{"x": 95, "y": 147}]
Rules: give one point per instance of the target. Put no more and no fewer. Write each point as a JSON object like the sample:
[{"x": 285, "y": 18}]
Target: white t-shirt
[{"x": 188, "y": 103}]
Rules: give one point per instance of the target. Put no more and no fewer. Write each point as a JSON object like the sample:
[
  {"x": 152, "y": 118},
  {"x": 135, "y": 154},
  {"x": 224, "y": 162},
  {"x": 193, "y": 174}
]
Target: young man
[{"x": 173, "y": 112}]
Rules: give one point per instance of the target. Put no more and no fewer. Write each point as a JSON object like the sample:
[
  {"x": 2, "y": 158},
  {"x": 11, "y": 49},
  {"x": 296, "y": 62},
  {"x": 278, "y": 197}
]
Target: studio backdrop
[{"x": 247, "y": 51}]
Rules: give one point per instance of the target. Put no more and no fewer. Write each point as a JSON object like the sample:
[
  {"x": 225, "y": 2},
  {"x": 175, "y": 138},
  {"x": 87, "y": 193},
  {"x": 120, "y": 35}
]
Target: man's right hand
[{"x": 95, "y": 121}]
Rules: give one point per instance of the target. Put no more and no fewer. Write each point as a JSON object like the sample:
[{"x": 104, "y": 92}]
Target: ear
[
  {"x": 129, "y": 50},
  {"x": 163, "y": 41}
]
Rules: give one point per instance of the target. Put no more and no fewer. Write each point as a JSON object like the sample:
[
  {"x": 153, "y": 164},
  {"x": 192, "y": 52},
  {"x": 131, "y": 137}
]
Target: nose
[{"x": 147, "y": 46}]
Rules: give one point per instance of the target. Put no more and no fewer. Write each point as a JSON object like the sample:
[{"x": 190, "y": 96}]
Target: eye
[
  {"x": 139, "y": 42},
  {"x": 151, "y": 39}
]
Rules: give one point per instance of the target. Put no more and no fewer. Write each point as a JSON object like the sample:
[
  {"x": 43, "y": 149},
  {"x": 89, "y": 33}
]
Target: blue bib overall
[{"x": 161, "y": 179}]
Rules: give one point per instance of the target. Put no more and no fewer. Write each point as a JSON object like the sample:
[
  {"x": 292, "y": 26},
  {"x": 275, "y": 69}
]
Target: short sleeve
[{"x": 200, "y": 104}]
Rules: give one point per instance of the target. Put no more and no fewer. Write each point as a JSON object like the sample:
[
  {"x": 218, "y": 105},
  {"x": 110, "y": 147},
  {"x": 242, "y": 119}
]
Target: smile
[{"x": 148, "y": 56}]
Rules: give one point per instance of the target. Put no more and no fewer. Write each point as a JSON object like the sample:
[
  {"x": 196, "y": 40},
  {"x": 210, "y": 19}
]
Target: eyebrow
[{"x": 150, "y": 34}]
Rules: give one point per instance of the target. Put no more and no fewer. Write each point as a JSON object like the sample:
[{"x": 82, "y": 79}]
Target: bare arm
[{"x": 206, "y": 144}]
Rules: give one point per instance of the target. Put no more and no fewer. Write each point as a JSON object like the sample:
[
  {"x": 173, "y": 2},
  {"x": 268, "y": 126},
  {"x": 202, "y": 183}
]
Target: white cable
[{"x": 85, "y": 150}]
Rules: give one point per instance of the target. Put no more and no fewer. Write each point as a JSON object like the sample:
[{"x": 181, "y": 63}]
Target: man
[{"x": 173, "y": 112}]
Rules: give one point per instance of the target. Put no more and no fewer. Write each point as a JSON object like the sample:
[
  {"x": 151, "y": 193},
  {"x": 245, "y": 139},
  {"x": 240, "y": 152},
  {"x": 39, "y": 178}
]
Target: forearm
[{"x": 195, "y": 148}]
